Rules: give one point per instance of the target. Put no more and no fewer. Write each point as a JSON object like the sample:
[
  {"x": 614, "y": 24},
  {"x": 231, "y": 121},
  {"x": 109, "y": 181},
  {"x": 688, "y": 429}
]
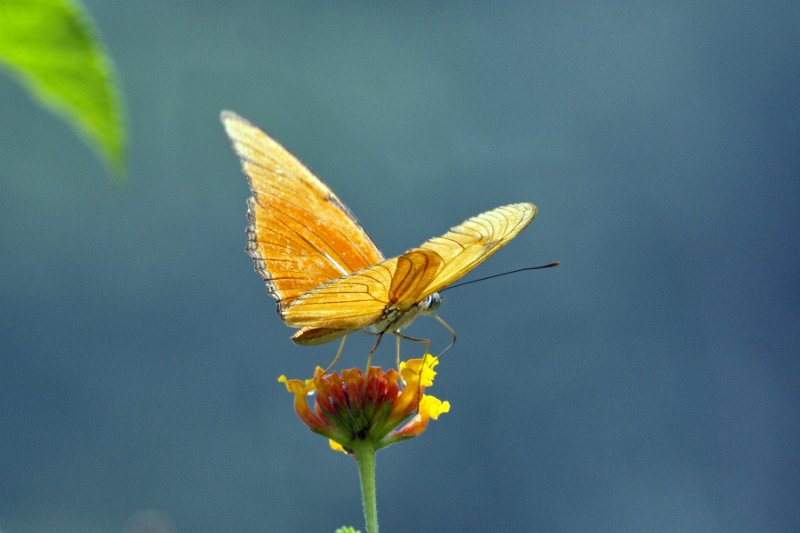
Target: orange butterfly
[{"x": 327, "y": 275}]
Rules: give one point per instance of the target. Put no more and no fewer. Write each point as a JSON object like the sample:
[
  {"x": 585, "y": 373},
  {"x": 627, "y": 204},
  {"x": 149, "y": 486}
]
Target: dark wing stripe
[{"x": 415, "y": 270}]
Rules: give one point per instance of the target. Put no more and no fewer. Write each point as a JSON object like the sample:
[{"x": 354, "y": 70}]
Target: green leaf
[
  {"x": 346, "y": 530},
  {"x": 52, "y": 48}
]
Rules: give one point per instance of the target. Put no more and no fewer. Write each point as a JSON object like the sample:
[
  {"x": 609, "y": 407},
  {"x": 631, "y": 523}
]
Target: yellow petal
[
  {"x": 431, "y": 406},
  {"x": 335, "y": 446},
  {"x": 419, "y": 370},
  {"x": 295, "y": 386}
]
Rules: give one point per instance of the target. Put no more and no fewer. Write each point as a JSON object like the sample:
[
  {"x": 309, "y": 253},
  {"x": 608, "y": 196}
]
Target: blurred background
[{"x": 648, "y": 384}]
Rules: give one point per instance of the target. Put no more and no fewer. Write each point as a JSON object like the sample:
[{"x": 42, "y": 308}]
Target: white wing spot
[{"x": 334, "y": 263}]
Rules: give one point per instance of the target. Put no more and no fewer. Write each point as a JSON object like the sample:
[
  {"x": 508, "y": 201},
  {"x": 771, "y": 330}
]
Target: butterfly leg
[
  {"x": 419, "y": 381},
  {"x": 338, "y": 355},
  {"x": 397, "y": 351},
  {"x": 448, "y": 328},
  {"x": 426, "y": 342},
  {"x": 372, "y": 351},
  {"x": 425, "y": 356}
]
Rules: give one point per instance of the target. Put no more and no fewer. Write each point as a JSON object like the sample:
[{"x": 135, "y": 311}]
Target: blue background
[{"x": 648, "y": 384}]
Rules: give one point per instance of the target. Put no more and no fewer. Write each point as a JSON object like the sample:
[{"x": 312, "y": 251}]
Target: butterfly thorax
[{"x": 394, "y": 319}]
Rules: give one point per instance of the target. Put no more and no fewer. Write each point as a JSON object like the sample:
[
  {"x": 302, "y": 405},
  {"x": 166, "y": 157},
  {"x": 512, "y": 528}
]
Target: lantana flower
[
  {"x": 374, "y": 410},
  {"x": 361, "y": 414}
]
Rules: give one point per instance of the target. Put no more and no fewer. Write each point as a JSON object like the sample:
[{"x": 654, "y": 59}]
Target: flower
[{"x": 378, "y": 409}]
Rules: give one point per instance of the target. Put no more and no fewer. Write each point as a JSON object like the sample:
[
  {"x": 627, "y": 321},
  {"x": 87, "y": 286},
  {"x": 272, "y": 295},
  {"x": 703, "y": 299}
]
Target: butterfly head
[{"x": 431, "y": 303}]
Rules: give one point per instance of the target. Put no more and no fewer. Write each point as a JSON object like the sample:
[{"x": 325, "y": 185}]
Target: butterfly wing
[
  {"x": 471, "y": 243},
  {"x": 349, "y": 303},
  {"x": 362, "y": 299},
  {"x": 300, "y": 235}
]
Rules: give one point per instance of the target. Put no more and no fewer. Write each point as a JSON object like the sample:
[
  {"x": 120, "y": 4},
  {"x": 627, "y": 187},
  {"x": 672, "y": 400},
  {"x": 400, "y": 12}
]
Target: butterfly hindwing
[
  {"x": 361, "y": 299},
  {"x": 352, "y": 302}
]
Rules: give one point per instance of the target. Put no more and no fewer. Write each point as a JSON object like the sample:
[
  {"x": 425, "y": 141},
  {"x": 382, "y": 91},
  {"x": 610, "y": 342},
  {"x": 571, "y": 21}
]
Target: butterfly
[{"x": 327, "y": 275}]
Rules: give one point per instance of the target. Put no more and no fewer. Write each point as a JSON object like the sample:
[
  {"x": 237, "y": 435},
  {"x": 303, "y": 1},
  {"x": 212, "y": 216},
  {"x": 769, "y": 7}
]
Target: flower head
[{"x": 376, "y": 409}]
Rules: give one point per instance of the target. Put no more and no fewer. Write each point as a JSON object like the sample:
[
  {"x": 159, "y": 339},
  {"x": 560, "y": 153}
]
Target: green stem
[{"x": 365, "y": 457}]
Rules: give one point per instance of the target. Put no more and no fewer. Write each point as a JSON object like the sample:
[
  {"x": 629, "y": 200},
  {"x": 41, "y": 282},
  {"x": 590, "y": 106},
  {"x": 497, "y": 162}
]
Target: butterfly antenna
[{"x": 549, "y": 265}]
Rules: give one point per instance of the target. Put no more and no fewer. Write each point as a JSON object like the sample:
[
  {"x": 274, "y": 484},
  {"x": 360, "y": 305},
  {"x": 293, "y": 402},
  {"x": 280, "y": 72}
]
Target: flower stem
[{"x": 365, "y": 457}]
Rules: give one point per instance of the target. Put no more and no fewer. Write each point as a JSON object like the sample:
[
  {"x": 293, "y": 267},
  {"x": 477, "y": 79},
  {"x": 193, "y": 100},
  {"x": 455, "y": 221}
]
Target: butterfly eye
[{"x": 432, "y": 302}]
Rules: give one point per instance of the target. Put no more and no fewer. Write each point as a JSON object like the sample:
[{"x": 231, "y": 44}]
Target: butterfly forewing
[
  {"x": 472, "y": 242},
  {"x": 300, "y": 234}
]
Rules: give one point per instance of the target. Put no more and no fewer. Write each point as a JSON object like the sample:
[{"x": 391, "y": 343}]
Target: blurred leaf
[
  {"x": 52, "y": 48},
  {"x": 347, "y": 530}
]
